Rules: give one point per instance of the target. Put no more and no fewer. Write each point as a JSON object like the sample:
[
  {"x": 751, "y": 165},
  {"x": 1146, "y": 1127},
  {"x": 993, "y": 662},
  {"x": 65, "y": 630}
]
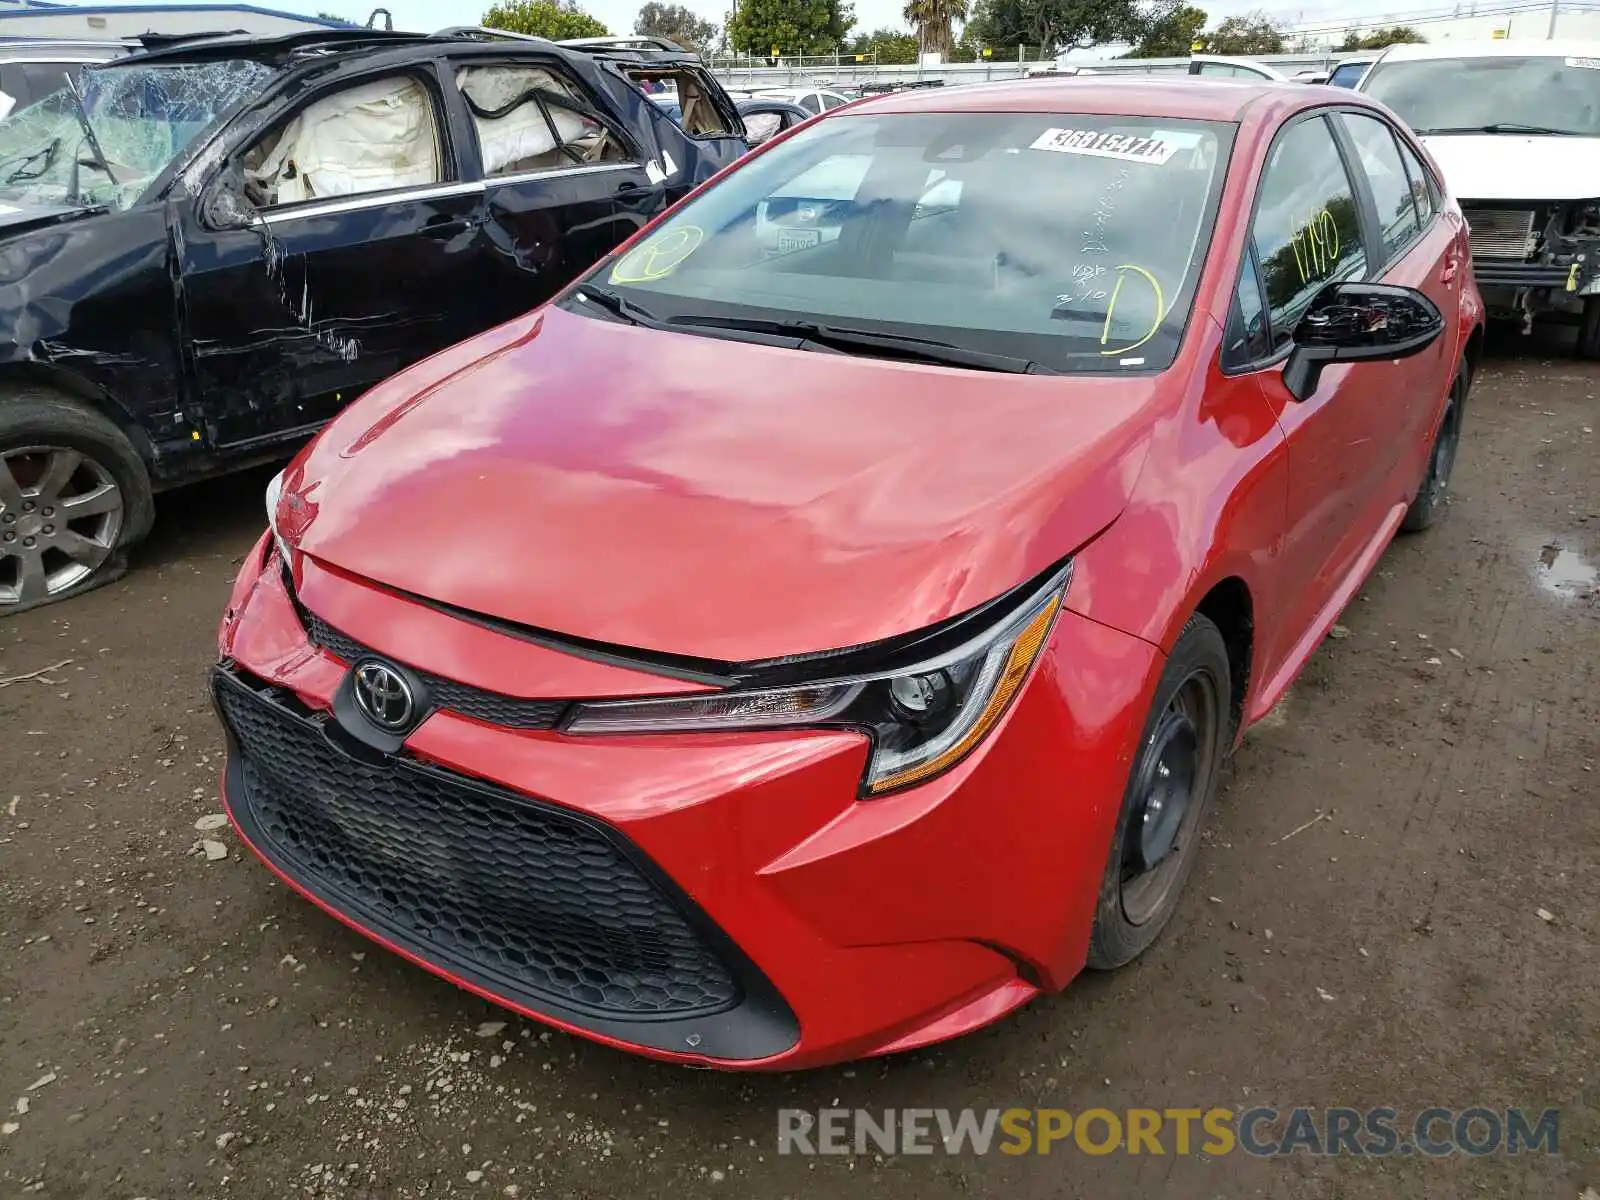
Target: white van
[{"x": 1515, "y": 129}]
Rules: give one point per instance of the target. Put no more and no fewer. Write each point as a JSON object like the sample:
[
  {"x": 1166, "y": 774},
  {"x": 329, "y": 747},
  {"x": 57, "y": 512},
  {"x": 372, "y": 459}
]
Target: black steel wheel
[{"x": 1170, "y": 788}]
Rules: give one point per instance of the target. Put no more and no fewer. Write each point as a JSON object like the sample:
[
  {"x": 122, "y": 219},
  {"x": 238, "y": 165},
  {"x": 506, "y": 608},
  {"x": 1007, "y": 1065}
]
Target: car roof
[
  {"x": 1556, "y": 48},
  {"x": 324, "y": 43},
  {"x": 1144, "y": 95}
]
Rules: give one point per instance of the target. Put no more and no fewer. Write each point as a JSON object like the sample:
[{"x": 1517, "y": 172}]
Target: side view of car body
[
  {"x": 231, "y": 238},
  {"x": 1515, "y": 128},
  {"x": 868, "y": 672}
]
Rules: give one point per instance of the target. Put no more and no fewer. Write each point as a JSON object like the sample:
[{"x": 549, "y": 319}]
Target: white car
[
  {"x": 1224, "y": 66},
  {"x": 1515, "y": 130},
  {"x": 812, "y": 99}
]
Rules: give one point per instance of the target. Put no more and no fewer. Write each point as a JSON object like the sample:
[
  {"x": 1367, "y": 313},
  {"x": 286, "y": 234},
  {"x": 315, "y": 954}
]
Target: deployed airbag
[{"x": 370, "y": 138}]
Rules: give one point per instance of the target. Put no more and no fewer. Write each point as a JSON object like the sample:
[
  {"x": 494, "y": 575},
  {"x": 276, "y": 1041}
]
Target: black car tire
[
  {"x": 36, "y": 418},
  {"x": 1433, "y": 494},
  {"x": 1588, "y": 345},
  {"x": 1197, "y": 670}
]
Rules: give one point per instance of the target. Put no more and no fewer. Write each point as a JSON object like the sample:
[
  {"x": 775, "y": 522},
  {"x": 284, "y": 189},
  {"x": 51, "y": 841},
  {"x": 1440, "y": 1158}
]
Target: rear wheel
[
  {"x": 73, "y": 495},
  {"x": 1174, "y": 779}
]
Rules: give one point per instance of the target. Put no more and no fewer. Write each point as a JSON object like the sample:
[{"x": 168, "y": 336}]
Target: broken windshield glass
[{"x": 142, "y": 117}]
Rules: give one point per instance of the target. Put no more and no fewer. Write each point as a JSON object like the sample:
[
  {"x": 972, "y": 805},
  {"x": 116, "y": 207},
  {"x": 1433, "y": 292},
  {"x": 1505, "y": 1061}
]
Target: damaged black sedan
[{"x": 207, "y": 249}]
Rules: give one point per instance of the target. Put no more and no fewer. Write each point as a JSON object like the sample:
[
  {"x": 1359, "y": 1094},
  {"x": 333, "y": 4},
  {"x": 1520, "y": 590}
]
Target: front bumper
[{"x": 790, "y": 924}]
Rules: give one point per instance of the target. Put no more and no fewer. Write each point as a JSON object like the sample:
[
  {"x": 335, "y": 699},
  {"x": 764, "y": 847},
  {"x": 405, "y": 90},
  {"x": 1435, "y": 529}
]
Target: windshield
[
  {"x": 142, "y": 117},
  {"x": 1072, "y": 242},
  {"x": 1561, "y": 94}
]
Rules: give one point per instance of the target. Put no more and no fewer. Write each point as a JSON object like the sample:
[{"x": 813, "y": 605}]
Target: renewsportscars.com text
[{"x": 1262, "y": 1132}]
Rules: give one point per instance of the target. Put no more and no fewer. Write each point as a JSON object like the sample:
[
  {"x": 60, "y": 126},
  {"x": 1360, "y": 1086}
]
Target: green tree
[
  {"x": 553, "y": 19},
  {"x": 894, "y": 47},
  {"x": 1169, "y": 31},
  {"x": 677, "y": 24},
  {"x": 328, "y": 16},
  {"x": 1252, "y": 33},
  {"x": 790, "y": 26},
  {"x": 1052, "y": 25},
  {"x": 932, "y": 20},
  {"x": 1379, "y": 38}
]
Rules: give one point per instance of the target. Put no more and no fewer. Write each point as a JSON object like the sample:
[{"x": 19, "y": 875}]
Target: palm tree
[{"x": 932, "y": 20}]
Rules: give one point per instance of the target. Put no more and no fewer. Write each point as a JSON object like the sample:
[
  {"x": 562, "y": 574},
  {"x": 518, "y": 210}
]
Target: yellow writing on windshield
[
  {"x": 658, "y": 256},
  {"x": 1139, "y": 275}
]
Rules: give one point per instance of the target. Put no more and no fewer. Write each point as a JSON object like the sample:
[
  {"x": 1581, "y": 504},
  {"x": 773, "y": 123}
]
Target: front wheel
[
  {"x": 1588, "y": 345},
  {"x": 1431, "y": 497},
  {"x": 73, "y": 495},
  {"x": 1175, "y": 776}
]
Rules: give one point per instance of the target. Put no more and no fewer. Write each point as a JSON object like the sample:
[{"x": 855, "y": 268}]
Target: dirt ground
[{"x": 196, "y": 1030}]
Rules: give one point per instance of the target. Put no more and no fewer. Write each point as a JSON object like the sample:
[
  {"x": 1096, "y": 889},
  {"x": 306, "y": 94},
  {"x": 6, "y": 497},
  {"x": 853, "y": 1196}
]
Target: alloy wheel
[
  {"x": 1171, "y": 780},
  {"x": 1444, "y": 449},
  {"x": 61, "y": 513}
]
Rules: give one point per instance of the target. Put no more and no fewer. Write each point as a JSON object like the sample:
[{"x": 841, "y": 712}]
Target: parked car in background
[
  {"x": 758, "y": 660},
  {"x": 1349, "y": 72},
  {"x": 31, "y": 68},
  {"x": 765, "y": 117},
  {"x": 233, "y": 237},
  {"x": 812, "y": 99},
  {"x": 1515, "y": 129},
  {"x": 1223, "y": 66}
]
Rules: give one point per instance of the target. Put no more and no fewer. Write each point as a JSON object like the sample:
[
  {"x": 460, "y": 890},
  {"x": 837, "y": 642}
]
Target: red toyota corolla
[{"x": 819, "y": 631}]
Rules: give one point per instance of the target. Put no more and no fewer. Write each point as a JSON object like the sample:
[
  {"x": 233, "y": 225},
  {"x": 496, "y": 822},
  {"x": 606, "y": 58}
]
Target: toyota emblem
[{"x": 384, "y": 697}]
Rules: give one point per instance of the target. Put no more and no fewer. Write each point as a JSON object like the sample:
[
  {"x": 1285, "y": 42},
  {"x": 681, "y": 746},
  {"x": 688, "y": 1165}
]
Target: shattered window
[
  {"x": 758, "y": 127},
  {"x": 140, "y": 118},
  {"x": 529, "y": 119},
  {"x": 373, "y": 137},
  {"x": 697, "y": 115}
]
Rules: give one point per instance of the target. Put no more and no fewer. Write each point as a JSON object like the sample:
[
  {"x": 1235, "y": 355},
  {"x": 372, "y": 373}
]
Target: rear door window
[
  {"x": 1391, "y": 189},
  {"x": 529, "y": 119},
  {"x": 1306, "y": 228}
]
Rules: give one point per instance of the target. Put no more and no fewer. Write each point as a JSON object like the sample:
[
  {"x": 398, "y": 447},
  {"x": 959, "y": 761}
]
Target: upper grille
[
  {"x": 1500, "y": 232},
  {"x": 546, "y": 904},
  {"x": 490, "y": 707}
]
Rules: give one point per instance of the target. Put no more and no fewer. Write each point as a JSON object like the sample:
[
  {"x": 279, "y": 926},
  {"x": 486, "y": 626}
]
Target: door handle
[
  {"x": 443, "y": 229},
  {"x": 1451, "y": 266}
]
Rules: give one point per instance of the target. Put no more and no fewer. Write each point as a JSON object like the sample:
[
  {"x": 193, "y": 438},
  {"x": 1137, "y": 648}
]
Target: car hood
[
  {"x": 711, "y": 498},
  {"x": 1505, "y": 166}
]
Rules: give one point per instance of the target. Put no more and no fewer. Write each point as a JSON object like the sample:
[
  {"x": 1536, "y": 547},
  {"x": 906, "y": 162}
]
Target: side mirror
[
  {"x": 1358, "y": 322},
  {"x": 225, "y": 207}
]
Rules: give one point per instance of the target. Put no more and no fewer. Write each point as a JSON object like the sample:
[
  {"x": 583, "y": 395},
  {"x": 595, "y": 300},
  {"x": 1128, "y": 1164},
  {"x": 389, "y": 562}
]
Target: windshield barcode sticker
[
  {"x": 1591, "y": 64},
  {"x": 1124, "y": 146}
]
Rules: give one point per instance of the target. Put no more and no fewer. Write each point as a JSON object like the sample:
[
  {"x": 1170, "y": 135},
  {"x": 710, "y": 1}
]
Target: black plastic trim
[{"x": 760, "y": 1026}]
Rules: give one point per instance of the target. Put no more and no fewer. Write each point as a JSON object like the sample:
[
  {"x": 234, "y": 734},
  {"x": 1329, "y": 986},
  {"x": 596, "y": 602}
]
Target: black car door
[
  {"x": 349, "y": 258},
  {"x": 561, "y": 177}
]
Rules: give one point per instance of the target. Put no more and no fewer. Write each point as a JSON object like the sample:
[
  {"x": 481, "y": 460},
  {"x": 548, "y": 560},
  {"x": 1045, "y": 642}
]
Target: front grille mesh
[
  {"x": 467, "y": 875},
  {"x": 493, "y": 708},
  {"x": 1500, "y": 232}
]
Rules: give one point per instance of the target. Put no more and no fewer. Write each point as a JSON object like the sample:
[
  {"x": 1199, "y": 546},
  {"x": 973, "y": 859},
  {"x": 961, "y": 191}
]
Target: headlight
[
  {"x": 274, "y": 493},
  {"x": 923, "y": 717}
]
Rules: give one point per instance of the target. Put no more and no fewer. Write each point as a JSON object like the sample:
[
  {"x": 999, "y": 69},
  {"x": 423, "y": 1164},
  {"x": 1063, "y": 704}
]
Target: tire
[
  {"x": 1433, "y": 495},
  {"x": 1142, "y": 883},
  {"x": 74, "y": 495},
  {"x": 1588, "y": 344}
]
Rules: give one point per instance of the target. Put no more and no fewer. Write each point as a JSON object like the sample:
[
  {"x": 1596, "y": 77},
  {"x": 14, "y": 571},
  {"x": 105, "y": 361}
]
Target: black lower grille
[
  {"x": 493, "y": 708},
  {"x": 540, "y": 902}
]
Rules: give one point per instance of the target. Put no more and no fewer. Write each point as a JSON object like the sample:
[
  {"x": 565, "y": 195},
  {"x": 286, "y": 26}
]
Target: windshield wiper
[
  {"x": 82, "y": 113},
  {"x": 47, "y": 152},
  {"x": 814, "y": 334},
  {"x": 619, "y": 306},
  {"x": 1502, "y": 127}
]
